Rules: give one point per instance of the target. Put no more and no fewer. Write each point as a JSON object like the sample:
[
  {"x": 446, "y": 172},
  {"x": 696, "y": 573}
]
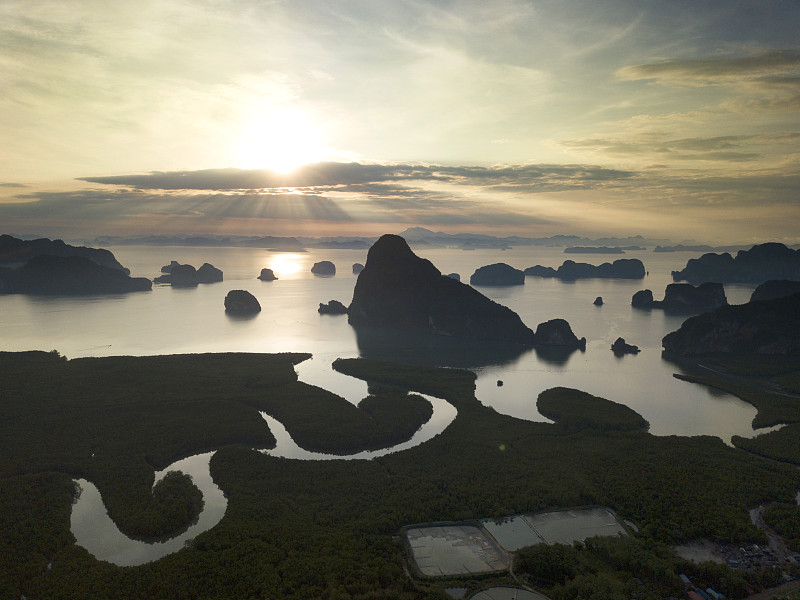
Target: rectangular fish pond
[
  {"x": 454, "y": 550},
  {"x": 553, "y": 527},
  {"x": 464, "y": 549}
]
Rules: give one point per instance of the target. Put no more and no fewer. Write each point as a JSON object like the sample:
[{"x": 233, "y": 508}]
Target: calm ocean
[{"x": 171, "y": 321}]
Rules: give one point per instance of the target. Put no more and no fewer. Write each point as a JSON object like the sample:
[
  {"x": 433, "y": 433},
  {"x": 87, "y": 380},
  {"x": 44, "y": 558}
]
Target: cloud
[
  {"x": 486, "y": 219},
  {"x": 368, "y": 197},
  {"x": 719, "y": 148},
  {"x": 206, "y": 179},
  {"x": 788, "y": 82},
  {"x": 775, "y": 104},
  {"x": 714, "y": 71},
  {"x": 353, "y": 176},
  {"x": 723, "y": 194},
  {"x": 319, "y": 174},
  {"x": 370, "y": 203},
  {"x": 329, "y": 192},
  {"x": 402, "y": 197},
  {"x": 95, "y": 205}
]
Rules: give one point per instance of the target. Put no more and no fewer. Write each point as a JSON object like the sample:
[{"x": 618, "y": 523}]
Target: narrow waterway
[{"x": 96, "y": 532}]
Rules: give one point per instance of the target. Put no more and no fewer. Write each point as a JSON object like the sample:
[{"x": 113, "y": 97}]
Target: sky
[{"x": 672, "y": 119}]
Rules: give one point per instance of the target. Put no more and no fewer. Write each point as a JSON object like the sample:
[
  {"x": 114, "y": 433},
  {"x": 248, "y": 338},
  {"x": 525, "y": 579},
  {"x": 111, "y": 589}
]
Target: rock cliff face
[
  {"x": 760, "y": 327},
  {"x": 683, "y": 298},
  {"x": 14, "y": 251},
  {"x": 557, "y": 332},
  {"x": 624, "y": 268},
  {"x": 498, "y": 274},
  {"x": 69, "y": 275},
  {"x": 540, "y": 271},
  {"x": 168, "y": 268},
  {"x": 182, "y": 276},
  {"x": 399, "y": 290},
  {"x": 757, "y": 265},
  {"x": 775, "y": 288},
  {"x": 643, "y": 299},
  {"x": 208, "y": 273},
  {"x": 5, "y": 280}
]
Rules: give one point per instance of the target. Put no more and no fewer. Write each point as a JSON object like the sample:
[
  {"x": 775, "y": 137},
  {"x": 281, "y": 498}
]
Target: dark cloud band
[{"x": 346, "y": 175}]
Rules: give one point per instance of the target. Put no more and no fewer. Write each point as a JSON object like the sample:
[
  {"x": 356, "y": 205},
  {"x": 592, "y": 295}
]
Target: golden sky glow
[{"x": 609, "y": 117}]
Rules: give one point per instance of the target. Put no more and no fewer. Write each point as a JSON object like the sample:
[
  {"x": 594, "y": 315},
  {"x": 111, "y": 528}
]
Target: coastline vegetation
[
  {"x": 575, "y": 410},
  {"x": 327, "y": 529},
  {"x": 783, "y": 444}
]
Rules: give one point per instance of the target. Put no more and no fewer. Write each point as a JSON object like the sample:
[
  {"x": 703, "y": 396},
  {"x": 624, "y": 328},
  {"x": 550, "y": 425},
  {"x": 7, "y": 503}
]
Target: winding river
[{"x": 96, "y": 532}]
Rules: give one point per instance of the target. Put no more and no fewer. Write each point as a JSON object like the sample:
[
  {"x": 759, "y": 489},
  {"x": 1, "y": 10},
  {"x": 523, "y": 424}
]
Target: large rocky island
[
  {"x": 757, "y": 265},
  {"x": 683, "y": 298},
  {"x": 769, "y": 327},
  {"x": 68, "y": 275},
  {"x": 52, "y": 267},
  {"x": 624, "y": 268},
  {"x": 775, "y": 288},
  {"x": 399, "y": 290},
  {"x": 15, "y": 252}
]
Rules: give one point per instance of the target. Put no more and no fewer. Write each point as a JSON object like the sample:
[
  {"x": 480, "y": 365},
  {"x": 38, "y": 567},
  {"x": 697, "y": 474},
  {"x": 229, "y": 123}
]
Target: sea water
[{"x": 170, "y": 320}]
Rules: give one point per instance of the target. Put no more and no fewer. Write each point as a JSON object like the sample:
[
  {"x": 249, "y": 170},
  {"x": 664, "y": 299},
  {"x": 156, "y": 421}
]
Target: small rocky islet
[
  {"x": 241, "y": 302},
  {"x": 180, "y": 275},
  {"x": 267, "y": 275},
  {"x": 324, "y": 268},
  {"x": 333, "y": 307}
]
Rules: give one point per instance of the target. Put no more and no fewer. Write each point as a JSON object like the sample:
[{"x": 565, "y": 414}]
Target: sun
[{"x": 280, "y": 140}]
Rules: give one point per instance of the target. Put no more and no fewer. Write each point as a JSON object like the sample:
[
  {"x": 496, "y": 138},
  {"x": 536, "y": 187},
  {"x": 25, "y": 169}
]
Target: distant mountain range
[
  {"x": 422, "y": 236},
  {"x": 416, "y": 236}
]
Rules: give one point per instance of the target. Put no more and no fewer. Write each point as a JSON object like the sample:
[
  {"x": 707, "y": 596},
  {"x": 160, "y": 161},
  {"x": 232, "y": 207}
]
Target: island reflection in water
[{"x": 435, "y": 350}]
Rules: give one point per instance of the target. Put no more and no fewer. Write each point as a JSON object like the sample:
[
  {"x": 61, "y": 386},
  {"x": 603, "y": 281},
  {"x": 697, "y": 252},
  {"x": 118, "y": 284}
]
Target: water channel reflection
[{"x": 96, "y": 532}]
